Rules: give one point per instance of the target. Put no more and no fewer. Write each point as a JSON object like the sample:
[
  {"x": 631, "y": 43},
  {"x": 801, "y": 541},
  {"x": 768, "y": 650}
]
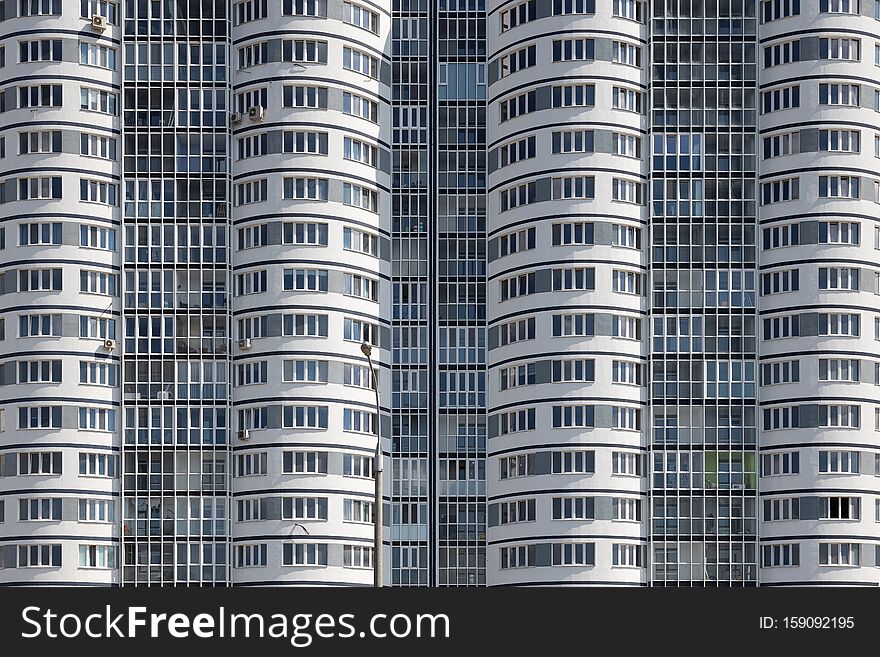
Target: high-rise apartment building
[{"x": 618, "y": 262}]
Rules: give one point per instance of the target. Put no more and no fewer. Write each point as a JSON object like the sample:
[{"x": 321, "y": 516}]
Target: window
[
  {"x": 573, "y": 554},
  {"x": 32, "y": 234},
  {"x": 517, "y": 286},
  {"x": 253, "y": 282},
  {"x": 839, "y": 6},
  {"x": 358, "y": 106},
  {"x": 97, "y": 419},
  {"x": 39, "y": 463},
  {"x": 516, "y": 511},
  {"x": 515, "y": 151},
  {"x": 782, "y": 53},
  {"x": 252, "y": 418},
  {"x": 839, "y": 554},
  {"x": 32, "y": 326},
  {"x": 627, "y": 191},
  {"x": 514, "y": 421},
  {"x": 626, "y": 418},
  {"x": 357, "y": 330},
  {"x": 98, "y": 191},
  {"x": 629, "y": 328},
  {"x": 782, "y": 417},
  {"x": 566, "y": 7},
  {"x": 253, "y": 54},
  {"x": 314, "y": 189},
  {"x": 356, "y": 556},
  {"x": 566, "y": 417},
  {"x": 518, "y": 105},
  {"x": 517, "y": 241},
  {"x": 304, "y": 508},
  {"x": 628, "y": 99},
  {"x": 579, "y": 370},
  {"x": 633, "y": 10},
  {"x": 98, "y": 282},
  {"x": 253, "y": 373},
  {"x": 359, "y": 62},
  {"x": 839, "y": 324},
  {"x": 626, "y": 509},
  {"x": 355, "y": 465},
  {"x": 583, "y": 187},
  {"x": 305, "y": 325},
  {"x": 360, "y": 17},
  {"x": 517, "y": 556},
  {"x": 92, "y": 510},
  {"x": 784, "y": 371},
  {"x": 305, "y": 233},
  {"x": 627, "y": 555},
  {"x": 305, "y": 371},
  {"x": 627, "y": 145},
  {"x": 781, "y": 508},
  {"x": 779, "y": 282},
  {"x": 40, "y": 556},
  {"x": 779, "y": 237},
  {"x": 780, "y": 191},
  {"x": 839, "y": 232},
  {"x": 573, "y": 462},
  {"x": 253, "y": 464},
  {"x": 246, "y": 11},
  {"x": 355, "y": 285},
  {"x": 304, "y": 554},
  {"x": 780, "y": 463},
  {"x": 572, "y": 141},
  {"x": 838, "y": 462},
  {"x": 304, "y": 417},
  {"x": 515, "y": 376},
  {"x": 626, "y": 282},
  {"x": 96, "y": 100},
  {"x": 516, "y": 331},
  {"x": 313, "y": 97},
  {"x": 573, "y": 508},
  {"x": 840, "y": 416},
  {"x": 40, "y": 95},
  {"x": 40, "y": 8},
  {"x": 253, "y": 146},
  {"x": 39, "y": 417},
  {"x": 251, "y": 509},
  {"x": 360, "y": 151},
  {"x": 39, "y": 188},
  {"x": 626, "y": 53},
  {"x": 93, "y": 54},
  {"x": 623, "y": 371},
  {"x": 520, "y": 465},
  {"x": 839, "y": 48},
  {"x": 573, "y": 233},
  {"x": 317, "y": 8},
  {"x": 518, "y": 60},
  {"x": 839, "y": 94},
  {"x": 838, "y": 278},
  {"x": 252, "y": 191},
  {"x": 358, "y": 421},
  {"x": 781, "y": 98},
  {"x": 96, "y": 327},
  {"x": 839, "y": 186},
  {"x": 105, "y": 8},
  {"x": 253, "y": 237},
  {"x": 565, "y": 50},
  {"x": 92, "y": 464},
  {"x": 518, "y": 14},
  {"x": 574, "y": 278},
  {"x": 253, "y": 327},
  {"x": 39, "y": 509},
  {"x": 357, "y": 511},
  {"x": 842, "y": 141},
  {"x": 626, "y": 463},
  {"x": 97, "y": 146},
  {"x": 39, "y": 371},
  {"x": 360, "y": 197},
  {"x": 304, "y": 462},
  {"x": 251, "y": 556},
  {"x": 781, "y": 145},
  {"x": 780, "y": 555},
  {"x": 312, "y": 280},
  {"x": 37, "y": 280}
]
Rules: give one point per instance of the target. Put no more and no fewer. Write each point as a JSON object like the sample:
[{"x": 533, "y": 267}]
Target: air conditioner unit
[
  {"x": 244, "y": 344},
  {"x": 257, "y": 113},
  {"x": 235, "y": 118},
  {"x": 109, "y": 344},
  {"x": 163, "y": 395},
  {"x": 737, "y": 486},
  {"x": 99, "y": 22},
  {"x": 244, "y": 434}
]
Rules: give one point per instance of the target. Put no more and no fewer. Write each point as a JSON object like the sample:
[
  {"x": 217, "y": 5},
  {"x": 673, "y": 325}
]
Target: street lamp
[{"x": 367, "y": 350}]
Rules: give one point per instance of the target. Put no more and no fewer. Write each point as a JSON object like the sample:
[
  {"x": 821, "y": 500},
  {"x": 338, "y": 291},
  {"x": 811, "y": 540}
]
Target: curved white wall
[
  {"x": 335, "y": 349},
  {"x": 62, "y": 541},
  {"x": 536, "y": 536},
  {"x": 813, "y": 438}
]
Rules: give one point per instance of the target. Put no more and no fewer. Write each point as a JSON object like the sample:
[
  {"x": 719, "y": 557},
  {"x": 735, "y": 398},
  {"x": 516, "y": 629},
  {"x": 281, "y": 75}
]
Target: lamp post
[{"x": 367, "y": 350}]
